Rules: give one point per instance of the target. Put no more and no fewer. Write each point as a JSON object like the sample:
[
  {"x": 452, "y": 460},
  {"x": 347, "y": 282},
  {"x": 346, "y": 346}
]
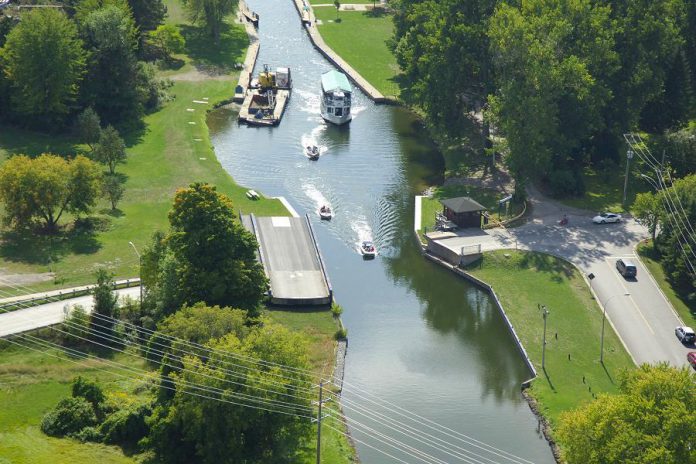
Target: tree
[
  {"x": 106, "y": 305},
  {"x": 69, "y": 417},
  {"x": 647, "y": 209},
  {"x": 113, "y": 189},
  {"x": 88, "y": 126},
  {"x": 168, "y": 39},
  {"x": 195, "y": 429},
  {"x": 216, "y": 255},
  {"x": 211, "y": 13},
  {"x": 652, "y": 420},
  {"x": 112, "y": 86},
  {"x": 148, "y": 14},
  {"x": 44, "y": 62},
  {"x": 42, "y": 189},
  {"x": 548, "y": 56},
  {"x": 111, "y": 149},
  {"x": 337, "y": 4},
  {"x": 84, "y": 8}
]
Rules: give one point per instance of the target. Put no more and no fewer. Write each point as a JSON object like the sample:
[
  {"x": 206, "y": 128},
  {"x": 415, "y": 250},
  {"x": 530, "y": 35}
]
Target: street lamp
[
  {"x": 604, "y": 316},
  {"x": 140, "y": 271},
  {"x": 543, "y": 346},
  {"x": 629, "y": 156},
  {"x": 652, "y": 181}
]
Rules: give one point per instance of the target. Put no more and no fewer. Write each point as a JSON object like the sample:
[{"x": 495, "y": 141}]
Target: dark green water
[{"x": 420, "y": 337}]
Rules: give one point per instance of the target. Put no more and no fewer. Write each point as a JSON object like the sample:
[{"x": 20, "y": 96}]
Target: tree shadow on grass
[
  {"x": 376, "y": 12},
  {"x": 556, "y": 267},
  {"x": 17, "y": 141},
  {"x": 211, "y": 58},
  {"x": 36, "y": 247}
]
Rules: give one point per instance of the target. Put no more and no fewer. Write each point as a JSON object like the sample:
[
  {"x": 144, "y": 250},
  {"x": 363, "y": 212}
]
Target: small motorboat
[
  {"x": 368, "y": 250},
  {"x": 325, "y": 212},
  {"x": 312, "y": 152}
]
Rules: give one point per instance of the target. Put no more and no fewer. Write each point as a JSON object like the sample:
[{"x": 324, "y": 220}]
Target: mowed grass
[
  {"x": 524, "y": 280},
  {"x": 32, "y": 383},
  {"x": 173, "y": 151},
  {"x": 360, "y": 38},
  {"x": 685, "y": 309}
]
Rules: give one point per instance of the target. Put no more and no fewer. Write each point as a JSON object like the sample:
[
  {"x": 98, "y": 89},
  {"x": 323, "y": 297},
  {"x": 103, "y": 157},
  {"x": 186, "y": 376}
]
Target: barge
[{"x": 267, "y": 97}]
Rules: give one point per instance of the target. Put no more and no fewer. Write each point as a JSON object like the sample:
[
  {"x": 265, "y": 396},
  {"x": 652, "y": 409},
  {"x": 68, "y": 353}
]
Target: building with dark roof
[{"x": 463, "y": 211}]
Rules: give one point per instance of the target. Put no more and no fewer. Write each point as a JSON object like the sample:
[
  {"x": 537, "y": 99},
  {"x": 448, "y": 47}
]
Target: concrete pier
[
  {"x": 252, "y": 52},
  {"x": 291, "y": 258}
]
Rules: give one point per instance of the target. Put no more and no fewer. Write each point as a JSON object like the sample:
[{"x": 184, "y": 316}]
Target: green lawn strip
[
  {"x": 319, "y": 326},
  {"x": 32, "y": 383},
  {"x": 489, "y": 198},
  {"x": 604, "y": 190},
  {"x": 525, "y": 279},
  {"x": 171, "y": 154},
  {"x": 360, "y": 38},
  {"x": 686, "y": 312}
]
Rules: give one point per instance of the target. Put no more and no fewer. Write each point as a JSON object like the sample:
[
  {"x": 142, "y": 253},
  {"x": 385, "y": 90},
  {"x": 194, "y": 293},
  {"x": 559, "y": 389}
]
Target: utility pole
[
  {"x": 543, "y": 346},
  {"x": 629, "y": 156},
  {"x": 319, "y": 418},
  {"x": 601, "y": 340}
]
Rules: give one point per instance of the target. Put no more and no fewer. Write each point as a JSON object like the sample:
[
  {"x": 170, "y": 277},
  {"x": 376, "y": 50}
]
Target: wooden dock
[
  {"x": 291, "y": 259},
  {"x": 251, "y": 55}
]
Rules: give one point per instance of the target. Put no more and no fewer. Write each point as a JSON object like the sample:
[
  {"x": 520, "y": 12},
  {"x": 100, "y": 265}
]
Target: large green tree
[
  {"x": 112, "y": 85},
  {"x": 549, "y": 58},
  {"x": 44, "y": 61},
  {"x": 190, "y": 428},
  {"x": 215, "y": 254},
  {"x": 148, "y": 14},
  {"x": 442, "y": 48},
  {"x": 210, "y": 13},
  {"x": 44, "y": 188},
  {"x": 652, "y": 420}
]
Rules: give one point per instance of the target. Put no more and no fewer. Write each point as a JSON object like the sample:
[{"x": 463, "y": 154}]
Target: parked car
[
  {"x": 691, "y": 357},
  {"x": 626, "y": 268},
  {"x": 685, "y": 334},
  {"x": 603, "y": 218}
]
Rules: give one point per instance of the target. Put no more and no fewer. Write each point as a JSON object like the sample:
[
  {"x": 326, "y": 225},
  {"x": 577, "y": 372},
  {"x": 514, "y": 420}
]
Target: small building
[{"x": 463, "y": 211}]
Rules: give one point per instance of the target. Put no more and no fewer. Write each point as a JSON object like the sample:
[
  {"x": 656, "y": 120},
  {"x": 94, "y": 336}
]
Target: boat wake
[
  {"x": 362, "y": 230},
  {"x": 312, "y": 139},
  {"x": 318, "y": 199}
]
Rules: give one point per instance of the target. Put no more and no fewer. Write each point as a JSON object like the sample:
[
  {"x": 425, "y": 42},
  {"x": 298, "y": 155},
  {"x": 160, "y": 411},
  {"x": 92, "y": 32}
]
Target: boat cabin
[
  {"x": 463, "y": 211},
  {"x": 336, "y": 95}
]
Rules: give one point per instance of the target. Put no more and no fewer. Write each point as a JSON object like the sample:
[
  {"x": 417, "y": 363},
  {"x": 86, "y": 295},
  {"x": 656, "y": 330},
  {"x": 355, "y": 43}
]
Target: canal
[{"x": 419, "y": 337}]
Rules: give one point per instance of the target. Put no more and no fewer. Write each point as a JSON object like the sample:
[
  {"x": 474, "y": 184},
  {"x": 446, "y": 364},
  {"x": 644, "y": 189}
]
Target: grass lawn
[
  {"x": 487, "y": 197},
  {"x": 328, "y": 2},
  {"x": 604, "y": 191},
  {"x": 31, "y": 384},
  {"x": 173, "y": 151},
  {"x": 573, "y": 371},
  {"x": 686, "y": 310},
  {"x": 361, "y": 39}
]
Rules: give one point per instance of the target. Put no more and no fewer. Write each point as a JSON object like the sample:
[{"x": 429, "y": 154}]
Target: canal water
[{"x": 419, "y": 337}]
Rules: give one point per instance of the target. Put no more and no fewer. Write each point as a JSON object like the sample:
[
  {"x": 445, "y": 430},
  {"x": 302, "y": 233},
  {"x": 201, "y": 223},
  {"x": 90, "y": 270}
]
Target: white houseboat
[{"x": 335, "y": 97}]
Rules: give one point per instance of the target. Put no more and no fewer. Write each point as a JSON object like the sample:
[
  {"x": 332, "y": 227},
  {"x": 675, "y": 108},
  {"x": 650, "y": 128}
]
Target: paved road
[
  {"x": 642, "y": 316},
  {"x": 48, "y": 314}
]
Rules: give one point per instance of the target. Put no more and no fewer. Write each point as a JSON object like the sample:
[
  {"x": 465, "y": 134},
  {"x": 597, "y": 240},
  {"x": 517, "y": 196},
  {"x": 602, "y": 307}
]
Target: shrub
[
  {"x": 89, "y": 391},
  {"x": 88, "y": 434},
  {"x": 69, "y": 417},
  {"x": 341, "y": 334},
  {"x": 336, "y": 309},
  {"x": 76, "y": 326},
  {"x": 126, "y": 426}
]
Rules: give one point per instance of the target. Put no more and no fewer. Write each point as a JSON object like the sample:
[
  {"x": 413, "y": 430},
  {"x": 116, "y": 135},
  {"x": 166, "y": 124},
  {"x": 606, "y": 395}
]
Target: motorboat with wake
[
  {"x": 325, "y": 212},
  {"x": 368, "y": 250},
  {"x": 312, "y": 152}
]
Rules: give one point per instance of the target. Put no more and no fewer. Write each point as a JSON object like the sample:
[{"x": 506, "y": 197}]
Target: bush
[
  {"x": 565, "y": 183},
  {"x": 126, "y": 426},
  {"x": 336, "y": 309},
  {"x": 76, "y": 326},
  {"x": 88, "y": 434},
  {"x": 68, "y": 418},
  {"x": 89, "y": 391},
  {"x": 341, "y": 334}
]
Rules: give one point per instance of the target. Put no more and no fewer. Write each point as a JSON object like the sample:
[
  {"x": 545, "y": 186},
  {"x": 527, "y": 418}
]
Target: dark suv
[{"x": 626, "y": 268}]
